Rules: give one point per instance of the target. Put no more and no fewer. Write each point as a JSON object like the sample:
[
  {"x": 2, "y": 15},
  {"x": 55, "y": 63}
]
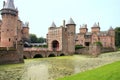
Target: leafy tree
[
  {"x": 117, "y": 36},
  {"x": 41, "y": 40},
  {"x": 33, "y": 38}
]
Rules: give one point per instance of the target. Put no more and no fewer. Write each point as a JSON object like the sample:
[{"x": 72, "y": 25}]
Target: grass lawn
[{"x": 107, "y": 72}]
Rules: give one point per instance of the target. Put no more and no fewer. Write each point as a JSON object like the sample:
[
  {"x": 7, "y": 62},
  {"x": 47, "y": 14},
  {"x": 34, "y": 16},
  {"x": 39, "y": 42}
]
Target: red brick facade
[
  {"x": 85, "y": 38},
  {"x": 62, "y": 38},
  {"x": 12, "y": 28}
]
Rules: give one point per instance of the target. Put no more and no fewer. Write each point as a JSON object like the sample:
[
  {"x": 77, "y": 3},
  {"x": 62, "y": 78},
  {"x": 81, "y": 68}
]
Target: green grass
[{"x": 107, "y": 72}]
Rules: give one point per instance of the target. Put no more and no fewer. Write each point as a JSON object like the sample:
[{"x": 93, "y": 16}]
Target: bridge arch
[
  {"x": 51, "y": 55},
  {"x": 38, "y": 56},
  {"x": 24, "y": 57},
  {"x": 62, "y": 54}
]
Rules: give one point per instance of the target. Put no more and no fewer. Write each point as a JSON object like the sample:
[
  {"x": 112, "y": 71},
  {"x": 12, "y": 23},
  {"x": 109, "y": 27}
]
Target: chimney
[
  {"x": 63, "y": 23},
  {"x": 3, "y": 4}
]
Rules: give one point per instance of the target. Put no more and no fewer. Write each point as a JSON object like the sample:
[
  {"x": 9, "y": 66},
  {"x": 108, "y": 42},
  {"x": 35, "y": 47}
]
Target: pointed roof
[
  {"x": 95, "y": 25},
  {"x": 111, "y": 28},
  {"x": 9, "y": 4},
  {"x": 53, "y": 24},
  {"x": 70, "y": 21}
]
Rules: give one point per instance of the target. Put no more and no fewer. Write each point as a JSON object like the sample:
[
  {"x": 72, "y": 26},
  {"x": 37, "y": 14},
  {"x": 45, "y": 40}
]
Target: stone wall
[
  {"x": 94, "y": 50},
  {"x": 10, "y": 57}
]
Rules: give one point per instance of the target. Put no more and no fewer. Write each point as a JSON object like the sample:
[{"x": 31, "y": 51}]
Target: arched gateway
[{"x": 55, "y": 45}]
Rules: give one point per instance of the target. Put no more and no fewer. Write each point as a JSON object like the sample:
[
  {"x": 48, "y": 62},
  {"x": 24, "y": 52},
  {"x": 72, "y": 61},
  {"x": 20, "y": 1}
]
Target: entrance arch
[
  {"x": 55, "y": 45},
  {"x": 38, "y": 56}
]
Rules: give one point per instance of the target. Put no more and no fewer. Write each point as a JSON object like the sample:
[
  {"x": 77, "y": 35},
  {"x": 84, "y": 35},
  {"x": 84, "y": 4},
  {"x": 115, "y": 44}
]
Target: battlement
[{"x": 9, "y": 11}]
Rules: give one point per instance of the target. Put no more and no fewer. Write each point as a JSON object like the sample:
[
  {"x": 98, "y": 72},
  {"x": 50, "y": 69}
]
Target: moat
[{"x": 53, "y": 68}]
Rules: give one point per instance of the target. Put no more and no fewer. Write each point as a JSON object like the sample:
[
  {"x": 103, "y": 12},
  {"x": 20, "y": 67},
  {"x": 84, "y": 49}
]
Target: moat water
[{"x": 53, "y": 68}]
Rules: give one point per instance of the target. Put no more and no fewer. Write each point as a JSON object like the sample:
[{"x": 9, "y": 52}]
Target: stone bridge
[{"x": 41, "y": 53}]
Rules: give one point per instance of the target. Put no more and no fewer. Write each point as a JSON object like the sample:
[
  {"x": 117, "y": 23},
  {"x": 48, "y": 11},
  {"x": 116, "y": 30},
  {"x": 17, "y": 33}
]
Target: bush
[
  {"x": 79, "y": 47},
  {"x": 98, "y": 44}
]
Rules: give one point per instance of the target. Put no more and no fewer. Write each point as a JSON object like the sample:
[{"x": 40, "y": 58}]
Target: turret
[
  {"x": 9, "y": 8},
  {"x": 83, "y": 28},
  {"x": 96, "y": 28},
  {"x": 9, "y": 24},
  {"x": 71, "y": 26},
  {"x": 25, "y": 31},
  {"x": 53, "y": 25},
  {"x": 111, "y": 31}
]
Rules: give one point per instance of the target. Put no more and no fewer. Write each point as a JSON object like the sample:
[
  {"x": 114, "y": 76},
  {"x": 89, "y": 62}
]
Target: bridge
[{"x": 40, "y": 53}]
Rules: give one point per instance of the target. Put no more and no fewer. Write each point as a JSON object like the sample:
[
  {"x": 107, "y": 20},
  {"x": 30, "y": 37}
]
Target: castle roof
[
  {"x": 9, "y": 4},
  {"x": 83, "y": 26},
  {"x": 70, "y": 21},
  {"x": 111, "y": 28},
  {"x": 53, "y": 24},
  {"x": 95, "y": 25}
]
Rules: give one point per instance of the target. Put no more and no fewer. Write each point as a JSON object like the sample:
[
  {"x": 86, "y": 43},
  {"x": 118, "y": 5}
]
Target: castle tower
[
  {"x": 9, "y": 24},
  {"x": 111, "y": 33},
  {"x": 96, "y": 28},
  {"x": 71, "y": 35},
  {"x": 25, "y": 32},
  {"x": 83, "y": 28}
]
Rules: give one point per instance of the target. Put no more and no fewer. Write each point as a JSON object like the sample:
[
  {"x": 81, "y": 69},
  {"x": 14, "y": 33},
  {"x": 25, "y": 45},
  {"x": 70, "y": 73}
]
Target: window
[{"x": 9, "y": 39}]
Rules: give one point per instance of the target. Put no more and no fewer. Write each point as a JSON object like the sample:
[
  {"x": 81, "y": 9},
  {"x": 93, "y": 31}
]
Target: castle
[
  {"x": 64, "y": 38},
  {"x": 12, "y": 34},
  {"x": 59, "y": 39},
  {"x": 85, "y": 38}
]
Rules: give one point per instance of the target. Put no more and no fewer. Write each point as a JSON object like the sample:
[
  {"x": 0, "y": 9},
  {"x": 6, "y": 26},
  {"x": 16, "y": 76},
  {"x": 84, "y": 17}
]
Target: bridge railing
[{"x": 35, "y": 49}]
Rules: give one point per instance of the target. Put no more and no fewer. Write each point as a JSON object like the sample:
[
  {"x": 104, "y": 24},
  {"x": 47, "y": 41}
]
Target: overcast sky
[{"x": 41, "y": 13}]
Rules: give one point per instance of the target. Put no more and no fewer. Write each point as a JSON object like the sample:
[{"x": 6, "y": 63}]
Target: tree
[
  {"x": 41, "y": 40},
  {"x": 117, "y": 36},
  {"x": 33, "y": 38}
]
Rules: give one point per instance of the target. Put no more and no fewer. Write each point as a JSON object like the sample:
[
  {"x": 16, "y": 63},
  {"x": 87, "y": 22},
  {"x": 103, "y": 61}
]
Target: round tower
[
  {"x": 9, "y": 24},
  {"x": 71, "y": 26},
  {"x": 25, "y": 32}
]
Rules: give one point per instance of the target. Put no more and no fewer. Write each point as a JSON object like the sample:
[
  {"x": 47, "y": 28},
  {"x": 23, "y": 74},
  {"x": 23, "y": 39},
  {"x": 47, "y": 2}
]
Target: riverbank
[{"x": 107, "y": 72}]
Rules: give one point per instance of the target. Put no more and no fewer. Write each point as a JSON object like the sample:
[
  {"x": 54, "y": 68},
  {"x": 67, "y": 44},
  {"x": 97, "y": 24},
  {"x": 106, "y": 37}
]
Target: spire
[
  {"x": 9, "y": 4},
  {"x": 95, "y": 25},
  {"x": 111, "y": 28},
  {"x": 70, "y": 21},
  {"x": 53, "y": 25},
  {"x": 9, "y": 8}
]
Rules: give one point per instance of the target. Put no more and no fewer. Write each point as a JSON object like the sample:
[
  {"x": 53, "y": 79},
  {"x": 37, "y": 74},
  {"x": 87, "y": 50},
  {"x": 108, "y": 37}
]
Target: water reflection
[{"x": 36, "y": 72}]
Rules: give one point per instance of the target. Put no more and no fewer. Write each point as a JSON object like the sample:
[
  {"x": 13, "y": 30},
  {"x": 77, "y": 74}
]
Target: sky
[{"x": 41, "y": 13}]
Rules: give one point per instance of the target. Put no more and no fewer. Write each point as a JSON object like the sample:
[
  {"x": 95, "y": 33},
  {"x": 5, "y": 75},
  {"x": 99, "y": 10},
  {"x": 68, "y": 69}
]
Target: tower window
[{"x": 9, "y": 39}]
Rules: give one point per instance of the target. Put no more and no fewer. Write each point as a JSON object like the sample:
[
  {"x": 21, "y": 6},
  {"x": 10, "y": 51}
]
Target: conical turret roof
[
  {"x": 70, "y": 21},
  {"x": 9, "y": 4},
  {"x": 95, "y": 25},
  {"x": 53, "y": 24},
  {"x": 111, "y": 28}
]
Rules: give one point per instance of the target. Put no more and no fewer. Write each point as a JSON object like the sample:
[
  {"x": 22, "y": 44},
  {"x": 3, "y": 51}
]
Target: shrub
[
  {"x": 78, "y": 47},
  {"x": 98, "y": 44}
]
